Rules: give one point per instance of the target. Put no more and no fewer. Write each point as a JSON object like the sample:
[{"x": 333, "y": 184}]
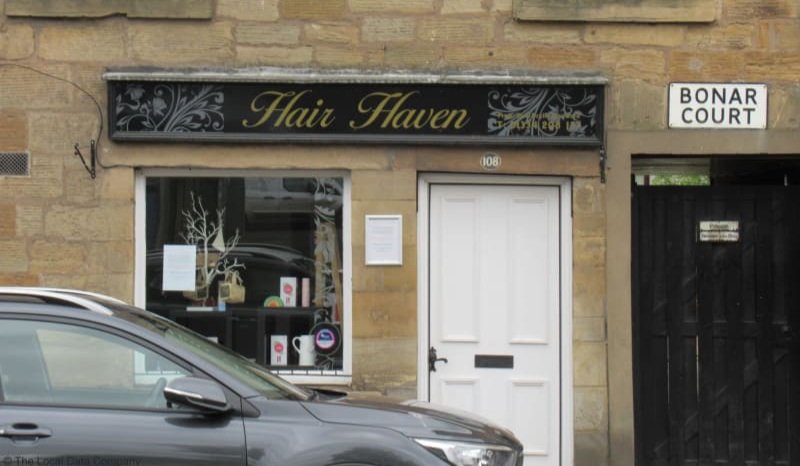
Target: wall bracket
[
  {"x": 90, "y": 167},
  {"x": 603, "y": 160}
]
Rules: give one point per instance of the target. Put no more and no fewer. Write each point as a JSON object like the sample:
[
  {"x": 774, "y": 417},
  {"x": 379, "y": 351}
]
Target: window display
[{"x": 267, "y": 259}]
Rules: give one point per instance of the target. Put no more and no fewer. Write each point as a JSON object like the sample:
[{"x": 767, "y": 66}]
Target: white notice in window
[
  {"x": 179, "y": 267},
  {"x": 384, "y": 239}
]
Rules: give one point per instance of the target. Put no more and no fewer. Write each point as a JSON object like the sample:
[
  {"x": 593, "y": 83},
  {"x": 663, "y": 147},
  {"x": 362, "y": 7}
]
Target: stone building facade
[{"x": 61, "y": 228}]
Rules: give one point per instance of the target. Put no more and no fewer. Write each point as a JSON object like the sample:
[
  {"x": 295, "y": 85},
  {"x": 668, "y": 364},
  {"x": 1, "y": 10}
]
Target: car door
[{"x": 72, "y": 394}]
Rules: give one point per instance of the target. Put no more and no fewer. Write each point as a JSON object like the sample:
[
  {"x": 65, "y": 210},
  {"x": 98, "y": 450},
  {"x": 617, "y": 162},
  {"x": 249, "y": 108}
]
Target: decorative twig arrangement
[{"x": 204, "y": 234}]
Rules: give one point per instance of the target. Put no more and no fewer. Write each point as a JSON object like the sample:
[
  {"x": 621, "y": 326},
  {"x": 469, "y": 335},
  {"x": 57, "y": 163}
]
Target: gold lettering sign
[
  {"x": 324, "y": 108},
  {"x": 389, "y": 110},
  {"x": 284, "y": 110}
]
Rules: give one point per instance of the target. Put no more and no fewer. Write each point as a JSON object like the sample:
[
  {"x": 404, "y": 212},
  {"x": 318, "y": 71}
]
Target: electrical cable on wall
[{"x": 93, "y": 143}]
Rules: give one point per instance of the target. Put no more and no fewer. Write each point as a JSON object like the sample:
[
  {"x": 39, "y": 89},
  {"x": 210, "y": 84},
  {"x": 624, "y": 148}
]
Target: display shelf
[
  {"x": 241, "y": 327},
  {"x": 291, "y": 312},
  {"x": 295, "y": 368}
]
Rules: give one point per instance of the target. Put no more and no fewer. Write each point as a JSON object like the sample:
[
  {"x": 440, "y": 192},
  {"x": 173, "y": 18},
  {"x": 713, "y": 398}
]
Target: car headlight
[{"x": 470, "y": 454}]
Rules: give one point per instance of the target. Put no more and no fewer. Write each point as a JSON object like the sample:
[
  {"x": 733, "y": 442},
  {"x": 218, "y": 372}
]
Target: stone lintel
[
  {"x": 647, "y": 11},
  {"x": 174, "y": 9}
]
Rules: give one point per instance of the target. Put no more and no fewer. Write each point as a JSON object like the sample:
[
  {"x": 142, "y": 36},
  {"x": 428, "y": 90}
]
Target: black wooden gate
[{"x": 715, "y": 324}]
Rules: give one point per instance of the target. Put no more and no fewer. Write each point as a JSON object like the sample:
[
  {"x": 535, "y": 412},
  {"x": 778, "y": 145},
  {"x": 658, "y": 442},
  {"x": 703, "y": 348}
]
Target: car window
[
  {"x": 65, "y": 364},
  {"x": 235, "y": 365}
]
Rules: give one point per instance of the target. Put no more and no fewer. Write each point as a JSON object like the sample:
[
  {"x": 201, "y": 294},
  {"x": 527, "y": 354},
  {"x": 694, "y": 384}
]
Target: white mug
[{"x": 304, "y": 345}]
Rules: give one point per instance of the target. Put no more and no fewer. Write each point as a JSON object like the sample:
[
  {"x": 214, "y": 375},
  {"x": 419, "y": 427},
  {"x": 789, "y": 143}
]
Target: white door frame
[{"x": 423, "y": 279}]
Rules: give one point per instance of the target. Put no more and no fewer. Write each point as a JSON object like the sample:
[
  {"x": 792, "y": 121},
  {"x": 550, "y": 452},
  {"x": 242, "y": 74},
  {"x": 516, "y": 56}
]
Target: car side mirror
[{"x": 197, "y": 393}]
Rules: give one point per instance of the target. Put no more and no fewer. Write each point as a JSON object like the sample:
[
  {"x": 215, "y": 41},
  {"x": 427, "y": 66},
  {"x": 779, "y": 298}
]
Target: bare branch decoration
[{"x": 202, "y": 233}]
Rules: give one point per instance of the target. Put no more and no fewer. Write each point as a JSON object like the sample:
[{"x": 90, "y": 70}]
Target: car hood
[{"x": 412, "y": 418}]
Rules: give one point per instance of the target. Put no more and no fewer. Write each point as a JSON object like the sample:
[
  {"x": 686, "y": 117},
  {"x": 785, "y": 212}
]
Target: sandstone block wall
[{"x": 59, "y": 227}]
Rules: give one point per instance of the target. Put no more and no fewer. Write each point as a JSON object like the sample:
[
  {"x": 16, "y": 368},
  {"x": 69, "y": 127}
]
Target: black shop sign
[{"x": 356, "y": 113}]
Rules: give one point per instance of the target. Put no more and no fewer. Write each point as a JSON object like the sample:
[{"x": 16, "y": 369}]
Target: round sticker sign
[{"x": 325, "y": 339}]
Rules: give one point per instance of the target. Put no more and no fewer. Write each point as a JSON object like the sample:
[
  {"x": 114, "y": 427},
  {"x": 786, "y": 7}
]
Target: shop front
[{"x": 410, "y": 234}]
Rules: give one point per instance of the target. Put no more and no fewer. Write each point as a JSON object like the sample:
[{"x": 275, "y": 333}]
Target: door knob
[{"x": 433, "y": 358}]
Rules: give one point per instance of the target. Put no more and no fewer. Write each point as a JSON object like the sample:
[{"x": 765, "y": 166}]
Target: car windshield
[{"x": 242, "y": 369}]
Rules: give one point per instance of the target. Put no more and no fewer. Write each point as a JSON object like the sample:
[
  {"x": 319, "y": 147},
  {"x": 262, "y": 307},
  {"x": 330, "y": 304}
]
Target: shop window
[
  {"x": 268, "y": 265},
  {"x": 641, "y": 11}
]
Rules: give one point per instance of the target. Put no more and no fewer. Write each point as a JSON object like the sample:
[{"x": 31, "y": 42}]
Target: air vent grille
[{"x": 15, "y": 164}]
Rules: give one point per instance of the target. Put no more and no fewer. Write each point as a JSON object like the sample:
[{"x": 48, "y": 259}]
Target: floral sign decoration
[{"x": 170, "y": 108}]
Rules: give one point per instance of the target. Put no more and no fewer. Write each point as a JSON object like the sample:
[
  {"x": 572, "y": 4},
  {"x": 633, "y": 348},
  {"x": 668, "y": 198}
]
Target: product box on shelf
[
  {"x": 279, "y": 352},
  {"x": 289, "y": 291}
]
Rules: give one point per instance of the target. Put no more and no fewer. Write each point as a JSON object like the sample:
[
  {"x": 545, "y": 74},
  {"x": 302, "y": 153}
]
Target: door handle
[
  {"x": 433, "y": 358},
  {"x": 25, "y": 431}
]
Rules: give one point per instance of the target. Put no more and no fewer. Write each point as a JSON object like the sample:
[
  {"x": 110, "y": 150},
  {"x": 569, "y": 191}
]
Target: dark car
[{"x": 88, "y": 380}]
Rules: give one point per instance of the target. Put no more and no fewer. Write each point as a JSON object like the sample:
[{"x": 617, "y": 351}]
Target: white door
[{"x": 494, "y": 307}]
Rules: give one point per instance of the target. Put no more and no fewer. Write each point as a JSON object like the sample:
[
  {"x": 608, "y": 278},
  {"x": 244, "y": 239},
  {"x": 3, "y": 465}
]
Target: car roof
[{"x": 67, "y": 297}]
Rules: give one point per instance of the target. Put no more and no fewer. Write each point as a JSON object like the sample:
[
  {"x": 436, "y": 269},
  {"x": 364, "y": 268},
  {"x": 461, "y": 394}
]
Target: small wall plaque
[
  {"x": 719, "y": 225},
  {"x": 719, "y": 231},
  {"x": 721, "y": 106},
  {"x": 384, "y": 239},
  {"x": 719, "y": 236}
]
